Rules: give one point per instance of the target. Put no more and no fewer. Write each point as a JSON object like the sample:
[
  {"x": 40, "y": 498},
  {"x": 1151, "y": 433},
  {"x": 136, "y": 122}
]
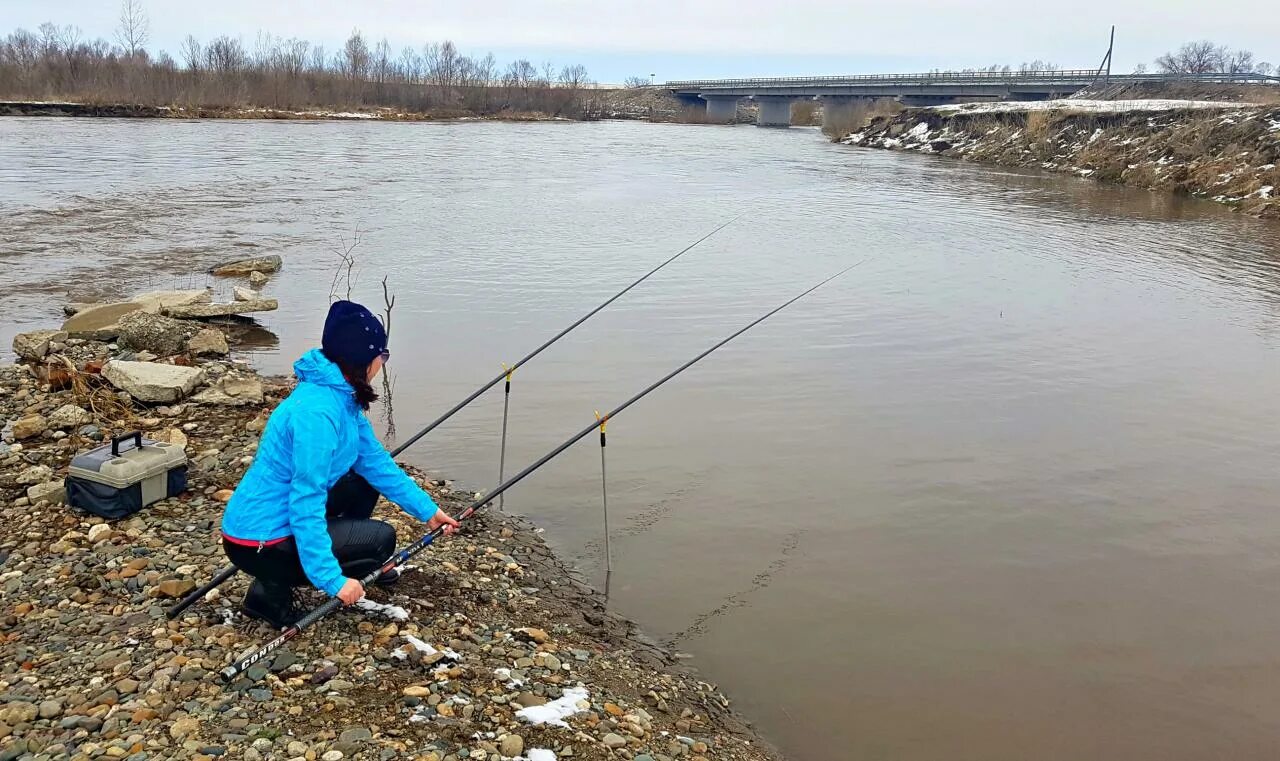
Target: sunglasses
[{"x": 386, "y": 356}]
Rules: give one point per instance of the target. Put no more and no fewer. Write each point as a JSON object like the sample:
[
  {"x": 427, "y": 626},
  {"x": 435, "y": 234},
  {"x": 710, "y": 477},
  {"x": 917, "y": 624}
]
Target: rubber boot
[{"x": 273, "y": 603}]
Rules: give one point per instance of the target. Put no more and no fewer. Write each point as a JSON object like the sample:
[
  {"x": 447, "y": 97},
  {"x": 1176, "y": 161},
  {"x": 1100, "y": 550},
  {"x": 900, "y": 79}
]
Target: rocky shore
[
  {"x": 1225, "y": 152},
  {"x": 488, "y": 647}
]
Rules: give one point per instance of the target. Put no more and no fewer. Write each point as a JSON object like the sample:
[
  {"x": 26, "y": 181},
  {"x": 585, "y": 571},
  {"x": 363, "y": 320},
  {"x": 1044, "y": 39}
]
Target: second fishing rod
[
  {"x": 248, "y": 659},
  {"x": 226, "y": 573}
]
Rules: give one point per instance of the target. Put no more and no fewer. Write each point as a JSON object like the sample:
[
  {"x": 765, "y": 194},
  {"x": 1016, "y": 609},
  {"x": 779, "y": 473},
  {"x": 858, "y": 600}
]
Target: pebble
[
  {"x": 355, "y": 735},
  {"x": 511, "y": 745},
  {"x": 614, "y": 740},
  {"x": 49, "y": 709},
  {"x": 332, "y": 755}
]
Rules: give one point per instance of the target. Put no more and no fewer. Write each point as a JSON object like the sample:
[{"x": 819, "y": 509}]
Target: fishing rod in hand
[
  {"x": 507, "y": 371},
  {"x": 247, "y": 660},
  {"x": 228, "y": 572}
]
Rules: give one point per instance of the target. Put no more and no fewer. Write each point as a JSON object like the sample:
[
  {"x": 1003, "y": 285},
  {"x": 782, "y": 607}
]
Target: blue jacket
[{"x": 314, "y": 437}]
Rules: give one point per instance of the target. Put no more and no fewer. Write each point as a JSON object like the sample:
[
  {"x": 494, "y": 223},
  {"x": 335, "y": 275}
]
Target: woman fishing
[{"x": 301, "y": 514}]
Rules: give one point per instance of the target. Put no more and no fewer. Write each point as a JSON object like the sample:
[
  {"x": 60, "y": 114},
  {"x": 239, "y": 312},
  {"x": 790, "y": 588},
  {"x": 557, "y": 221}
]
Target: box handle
[{"x": 116, "y": 441}]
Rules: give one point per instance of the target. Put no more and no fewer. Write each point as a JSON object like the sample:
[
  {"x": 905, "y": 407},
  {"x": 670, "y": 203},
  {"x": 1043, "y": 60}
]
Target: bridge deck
[{"x": 946, "y": 81}]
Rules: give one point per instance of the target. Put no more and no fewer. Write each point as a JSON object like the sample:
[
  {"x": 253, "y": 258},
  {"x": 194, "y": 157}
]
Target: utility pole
[{"x": 1106, "y": 60}]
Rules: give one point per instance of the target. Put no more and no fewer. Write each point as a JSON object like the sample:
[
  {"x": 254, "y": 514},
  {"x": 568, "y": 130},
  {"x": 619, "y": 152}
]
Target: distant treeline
[{"x": 56, "y": 63}]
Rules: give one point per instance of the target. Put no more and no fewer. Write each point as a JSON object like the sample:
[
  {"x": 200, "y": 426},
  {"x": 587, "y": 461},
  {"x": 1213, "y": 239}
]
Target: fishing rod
[
  {"x": 247, "y": 660},
  {"x": 228, "y": 572},
  {"x": 506, "y": 372}
]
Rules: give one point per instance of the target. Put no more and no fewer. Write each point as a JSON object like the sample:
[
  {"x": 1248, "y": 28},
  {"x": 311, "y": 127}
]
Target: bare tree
[
  {"x": 1239, "y": 62},
  {"x": 1266, "y": 68},
  {"x": 50, "y": 42},
  {"x": 635, "y": 82},
  {"x": 1203, "y": 57},
  {"x": 382, "y": 63},
  {"x": 225, "y": 55},
  {"x": 1140, "y": 69},
  {"x": 574, "y": 77},
  {"x": 192, "y": 53},
  {"x": 54, "y": 61},
  {"x": 134, "y": 29},
  {"x": 442, "y": 64},
  {"x": 293, "y": 57},
  {"x": 319, "y": 59},
  {"x": 355, "y": 57},
  {"x": 410, "y": 64}
]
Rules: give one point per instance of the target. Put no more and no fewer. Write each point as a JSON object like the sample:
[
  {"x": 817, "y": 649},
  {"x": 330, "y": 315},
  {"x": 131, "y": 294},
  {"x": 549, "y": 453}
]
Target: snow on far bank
[{"x": 1105, "y": 106}]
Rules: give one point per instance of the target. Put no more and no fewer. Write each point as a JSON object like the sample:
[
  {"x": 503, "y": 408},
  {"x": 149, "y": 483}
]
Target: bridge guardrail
[{"x": 1079, "y": 77}]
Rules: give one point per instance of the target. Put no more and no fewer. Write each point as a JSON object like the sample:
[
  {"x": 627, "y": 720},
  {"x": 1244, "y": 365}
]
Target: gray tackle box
[{"x": 114, "y": 481}]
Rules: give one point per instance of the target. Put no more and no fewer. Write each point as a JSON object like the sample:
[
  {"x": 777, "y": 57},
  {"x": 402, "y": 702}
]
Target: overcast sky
[{"x": 679, "y": 39}]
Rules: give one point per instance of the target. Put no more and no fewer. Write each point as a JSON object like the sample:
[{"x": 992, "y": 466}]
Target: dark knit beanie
[{"x": 352, "y": 334}]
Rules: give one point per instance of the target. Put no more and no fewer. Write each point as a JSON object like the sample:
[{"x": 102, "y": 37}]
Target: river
[{"x": 1009, "y": 490}]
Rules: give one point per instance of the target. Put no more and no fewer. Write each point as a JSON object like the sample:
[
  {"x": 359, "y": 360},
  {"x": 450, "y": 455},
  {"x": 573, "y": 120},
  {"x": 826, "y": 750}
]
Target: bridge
[{"x": 716, "y": 100}]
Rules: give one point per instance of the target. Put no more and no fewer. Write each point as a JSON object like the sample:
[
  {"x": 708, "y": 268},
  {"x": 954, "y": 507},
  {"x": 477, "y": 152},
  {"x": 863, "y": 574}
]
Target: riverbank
[
  {"x": 488, "y": 648},
  {"x": 139, "y": 111},
  {"x": 632, "y": 103},
  {"x": 1225, "y": 152}
]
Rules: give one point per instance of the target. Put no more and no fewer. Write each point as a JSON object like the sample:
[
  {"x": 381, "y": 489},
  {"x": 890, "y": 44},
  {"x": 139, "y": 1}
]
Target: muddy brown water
[{"x": 1007, "y": 491}]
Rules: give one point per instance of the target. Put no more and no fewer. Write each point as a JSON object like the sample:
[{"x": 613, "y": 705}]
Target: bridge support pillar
[
  {"x": 721, "y": 109},
  {"x": 775, "y": 111}
]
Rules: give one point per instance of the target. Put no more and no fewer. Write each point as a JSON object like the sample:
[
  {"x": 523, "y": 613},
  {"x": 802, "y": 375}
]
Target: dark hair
[{"x": 358, "y": 379}]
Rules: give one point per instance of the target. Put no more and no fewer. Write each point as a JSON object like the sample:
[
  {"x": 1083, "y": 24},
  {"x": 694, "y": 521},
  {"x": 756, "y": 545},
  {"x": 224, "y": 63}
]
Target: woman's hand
[
  {"x": 351, "y": 592},
  {"x": 442, "y": 519}
]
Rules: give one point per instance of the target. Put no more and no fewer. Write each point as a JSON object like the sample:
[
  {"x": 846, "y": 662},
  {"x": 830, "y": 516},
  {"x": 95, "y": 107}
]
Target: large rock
[
  {"x": 246, "y": 266},
  {"x": 151, "y": 382},
  {"x": 208, "y": 341},
  {"x": 35, "y": 345},
  {"x": 154, "y": 301},
  {"x": 257, "y": 279},
  {"x": 205, "y": 311},
  {"x": 232, "y": 389},
  {"x": 51, "y": 491},
  {"x": 36, "y": 474},
  {"x": 164, "y": 336},
  {"x": 29, "y": 427},
  {"x": 69, "y": 416},
  {"x": 100, "y": 322},
  {"x": 245, "y": 294}
]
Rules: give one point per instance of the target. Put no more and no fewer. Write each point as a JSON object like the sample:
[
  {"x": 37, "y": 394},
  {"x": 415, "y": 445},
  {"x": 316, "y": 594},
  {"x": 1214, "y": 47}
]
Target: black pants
[{"x": 360, "y": 543}]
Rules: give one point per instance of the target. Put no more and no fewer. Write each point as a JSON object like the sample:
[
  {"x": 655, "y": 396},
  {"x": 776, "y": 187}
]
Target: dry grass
[
  {"x": 859, "y": 115},
  {"x": 806, "y": 113}
]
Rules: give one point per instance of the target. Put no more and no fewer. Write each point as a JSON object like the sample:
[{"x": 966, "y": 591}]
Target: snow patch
[
  {"x": 1265, "y": 191},
  {"x": 556, "y": 711},
  {"x": 393, "y": 612},
  {"x": 505, "y": 675},
  {"x": 541, "y": 754}
]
